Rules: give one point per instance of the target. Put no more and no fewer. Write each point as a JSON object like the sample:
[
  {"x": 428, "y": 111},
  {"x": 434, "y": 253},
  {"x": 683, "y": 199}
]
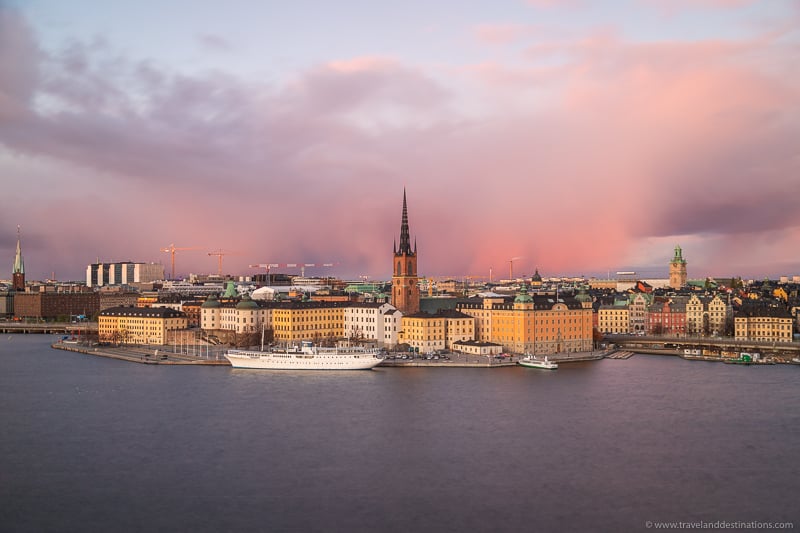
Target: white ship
[
  {"x": 531, "y": 362},
  {"x": 306, "y": 357}
]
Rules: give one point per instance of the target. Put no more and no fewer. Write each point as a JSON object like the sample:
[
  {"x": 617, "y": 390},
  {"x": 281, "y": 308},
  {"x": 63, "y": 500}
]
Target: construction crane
[
  {"x": 171, "y": 249},
  {"x": 511, "y": 267},
  {"x": 219, "y": 254},
  {"x": 302, "y": 266}
]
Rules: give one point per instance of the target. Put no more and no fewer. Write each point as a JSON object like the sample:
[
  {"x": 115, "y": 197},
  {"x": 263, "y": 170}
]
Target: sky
[{"x": 578, "y": 137}]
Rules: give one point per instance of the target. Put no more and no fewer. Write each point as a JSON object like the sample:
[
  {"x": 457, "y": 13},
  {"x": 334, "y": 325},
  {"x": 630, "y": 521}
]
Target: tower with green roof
[{"x": 677, "y": 270}]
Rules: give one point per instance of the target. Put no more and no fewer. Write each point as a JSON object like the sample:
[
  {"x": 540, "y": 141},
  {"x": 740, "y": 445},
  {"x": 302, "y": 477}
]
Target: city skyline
[{"x": 579, "y": 137}]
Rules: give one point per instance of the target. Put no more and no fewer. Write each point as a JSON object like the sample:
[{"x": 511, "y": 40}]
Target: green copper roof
[
  {"x": 247, "y": 303},
  {"x": 678, "y": 256},
  {"x": 583, "y": 295},
  {"x": 211, "y": 301},
  {"x": 523, "y": 296},
  {"x": 230, "y": 291}
]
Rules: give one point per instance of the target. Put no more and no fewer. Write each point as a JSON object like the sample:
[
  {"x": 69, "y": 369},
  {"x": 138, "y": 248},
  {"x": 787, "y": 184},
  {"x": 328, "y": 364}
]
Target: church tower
[
  {"x": 677, "y": 270},
  {"x": 405, "y": 290},
  {"x": 18, "y": 274}
]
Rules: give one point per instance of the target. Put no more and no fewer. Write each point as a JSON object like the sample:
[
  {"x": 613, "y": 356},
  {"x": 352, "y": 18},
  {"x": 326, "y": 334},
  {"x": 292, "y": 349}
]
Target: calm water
[{"x": 93, "y": 444}]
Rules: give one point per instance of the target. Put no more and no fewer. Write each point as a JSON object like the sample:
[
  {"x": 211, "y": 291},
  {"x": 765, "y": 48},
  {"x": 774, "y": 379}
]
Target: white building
[
  {"x": 124, "y": 273},
  {"x": 392, "y": 320},
  {"x": 368, "y": 321},
  {"x": 245, "y": 316}
]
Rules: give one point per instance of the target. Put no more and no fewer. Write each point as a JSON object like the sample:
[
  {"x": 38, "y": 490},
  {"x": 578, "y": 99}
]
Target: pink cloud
[
  {"x": 671, "y": 7},
  {"x": 570, "y": 165},
  {"x": 500, "y": 33}
]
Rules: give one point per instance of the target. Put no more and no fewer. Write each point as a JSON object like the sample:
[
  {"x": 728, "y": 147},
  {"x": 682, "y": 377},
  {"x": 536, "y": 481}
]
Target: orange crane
[
  {"x": 219, "y": 254},
  {"x": 511, "y": 267},
  {"x": 171, "y": 249}
]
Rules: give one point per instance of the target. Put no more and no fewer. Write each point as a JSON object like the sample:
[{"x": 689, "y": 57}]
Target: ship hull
[
  {"x": 538, "y": 364},
  {"x": 302, "y": 361}
]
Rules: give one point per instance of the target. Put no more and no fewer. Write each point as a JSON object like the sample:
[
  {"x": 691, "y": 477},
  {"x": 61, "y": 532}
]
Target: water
[{"x": 93, "y": 444}]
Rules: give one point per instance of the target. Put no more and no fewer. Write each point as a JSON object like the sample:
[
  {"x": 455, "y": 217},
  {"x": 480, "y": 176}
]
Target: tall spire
[
  {"x": 19, "y": 264},
  {"x": 18, "y": 274},
  {"x": 405, "y": 239}
]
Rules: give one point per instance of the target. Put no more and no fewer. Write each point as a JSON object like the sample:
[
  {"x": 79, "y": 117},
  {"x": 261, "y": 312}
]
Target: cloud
[
  {"x": 570, "y": 160},
  {"x": 550, "y": 4},
  {"x": 214, "y": 43},
  {"x": 671, "y": 6},
  {"x": 19, "y": 56}
]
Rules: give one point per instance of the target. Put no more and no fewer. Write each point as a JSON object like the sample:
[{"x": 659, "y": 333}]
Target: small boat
[{"x": 532, "y": 362}]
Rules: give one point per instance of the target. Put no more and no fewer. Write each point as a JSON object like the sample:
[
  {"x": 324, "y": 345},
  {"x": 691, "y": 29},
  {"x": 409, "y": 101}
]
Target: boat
[
  {"x": 306, "y": 357},
  {"x": 532, "y": 362}
]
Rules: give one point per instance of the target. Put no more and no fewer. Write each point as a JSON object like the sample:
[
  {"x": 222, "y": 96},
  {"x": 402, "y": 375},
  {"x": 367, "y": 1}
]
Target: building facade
[
  {"x": 124, "y": 273},
  {"x": 139, "y": 325},
  {"x": 293, "y": 322},
  {"x": 392, "y": 322},
  {"x": 707, "y": 315},
  {"x": 613, "y": 319},
  {"x": 667, "y": 317},
  {"x": 405, "y": 280},
  {"x": 113, "y": 297},
  {"x": 544, "y": 323},
  {"x": 486, "y": 349},
  {"x": 426, "y": 332},
  {"x": 365, "y": 321},
  {"x": 52, "y": 305},
  {"x": 637, "y": 311},
  {"x": 763, "y": 323}
]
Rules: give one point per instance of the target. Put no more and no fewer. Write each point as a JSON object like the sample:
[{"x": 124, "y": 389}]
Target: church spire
[
  {"x": 18, "y": 274},
  {"x": 405, "y": 239},
  {"x": 19, "y": 264}
]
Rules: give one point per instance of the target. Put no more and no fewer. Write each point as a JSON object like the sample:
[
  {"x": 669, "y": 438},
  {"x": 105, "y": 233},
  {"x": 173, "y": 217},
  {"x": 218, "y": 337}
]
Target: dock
[
  {"x": 619, "y": 354},
  {"x": 142, "y": 355}
]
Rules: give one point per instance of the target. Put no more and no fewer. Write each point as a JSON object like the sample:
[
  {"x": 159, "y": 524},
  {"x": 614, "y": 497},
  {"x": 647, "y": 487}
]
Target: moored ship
[
  {"x": 532, "y": 362},
  {"x": 306, "y": 357}
]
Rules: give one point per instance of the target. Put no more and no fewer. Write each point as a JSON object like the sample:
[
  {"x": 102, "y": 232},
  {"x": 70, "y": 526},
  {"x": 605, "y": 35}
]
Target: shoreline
[{"x": 159, "y": 356}]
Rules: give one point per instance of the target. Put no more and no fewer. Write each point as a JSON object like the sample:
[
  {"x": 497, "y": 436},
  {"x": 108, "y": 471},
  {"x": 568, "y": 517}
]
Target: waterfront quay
[
  {"x": 167, "y": 355},
  {"x": 712, "y": 349},
  {"x": 159, "y": 355},
  {"x": 461, "y": 360},
  {"x": 49, "y": 328}
]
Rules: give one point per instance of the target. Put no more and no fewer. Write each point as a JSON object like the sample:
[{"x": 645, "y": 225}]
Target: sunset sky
[{"x": 582, "y": 137}]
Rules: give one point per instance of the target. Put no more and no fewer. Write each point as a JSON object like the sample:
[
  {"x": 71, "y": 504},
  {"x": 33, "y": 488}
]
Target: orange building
[{"x": 539, "y": 324}]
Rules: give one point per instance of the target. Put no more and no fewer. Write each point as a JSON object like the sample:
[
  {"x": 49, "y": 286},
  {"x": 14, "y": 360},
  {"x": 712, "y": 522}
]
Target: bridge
[{"x": 49, "y": 327}]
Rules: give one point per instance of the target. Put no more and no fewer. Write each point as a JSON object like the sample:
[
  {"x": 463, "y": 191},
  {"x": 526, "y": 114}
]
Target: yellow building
[
  {"x": 762, "y": 323},
  {"x": 539, "y": 324},
  {"x": 314, "y": 321},
  {"x": 487, "y": 349},
  {"x": 613, "y": 319},
  {"x": 428, "y": 332},
  {"x": 139, "y": 325},
  {"x": 707, "y": 316}
]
